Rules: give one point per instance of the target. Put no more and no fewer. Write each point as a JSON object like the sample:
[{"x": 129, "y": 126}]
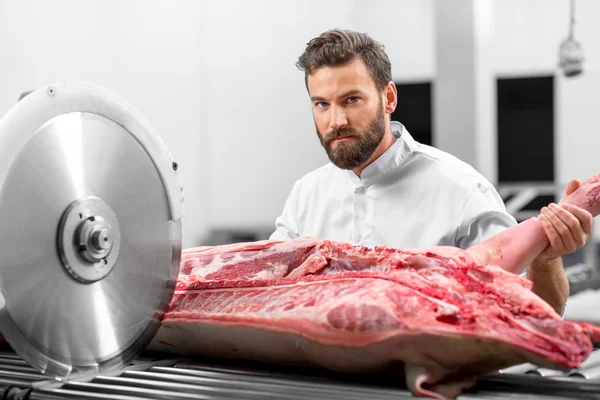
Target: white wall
[
  {"x": 406, "y": 29},
  {"x": 146, "y": 51},
  {"x": 578, "y": 136},
  {"x": 259, "y": 121},
  {"x": 528, "y": 38},
  {"x": 528, "y": 33},
  {"x": 216, "y": 79},
  {"x": 525, "y": 40},
  {"x": 218, "y": 82},
  {"x": 527, "y": 43}
]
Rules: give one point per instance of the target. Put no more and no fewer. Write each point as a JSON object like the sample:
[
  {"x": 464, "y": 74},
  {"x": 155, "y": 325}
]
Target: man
[{"x": 384, "y": 188}]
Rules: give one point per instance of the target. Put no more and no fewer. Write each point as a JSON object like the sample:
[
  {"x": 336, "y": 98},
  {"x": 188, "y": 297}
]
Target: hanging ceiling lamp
[{"x": 570, "y": 52}]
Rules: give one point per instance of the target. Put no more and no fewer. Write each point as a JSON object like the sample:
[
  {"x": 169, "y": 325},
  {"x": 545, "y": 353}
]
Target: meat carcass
[{"x": 445, "y": 314}]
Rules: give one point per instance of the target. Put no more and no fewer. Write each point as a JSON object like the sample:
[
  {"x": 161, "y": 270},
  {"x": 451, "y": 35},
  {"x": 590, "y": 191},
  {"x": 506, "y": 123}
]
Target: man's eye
[
  {"x": 352, "y": 99},
  {"x": 321, "y": 104}
]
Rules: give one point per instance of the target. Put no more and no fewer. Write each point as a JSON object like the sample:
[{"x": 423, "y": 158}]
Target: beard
[{"x": 352, "y": 154}]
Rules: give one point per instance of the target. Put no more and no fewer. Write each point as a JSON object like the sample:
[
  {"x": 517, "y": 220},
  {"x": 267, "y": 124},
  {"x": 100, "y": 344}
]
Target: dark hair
[{"x": 338, "y": 47}]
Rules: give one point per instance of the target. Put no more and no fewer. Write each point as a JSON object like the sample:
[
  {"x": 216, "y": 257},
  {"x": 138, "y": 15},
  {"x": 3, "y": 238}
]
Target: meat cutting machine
[
  {"x": 90, "y": 230},
  {"x": 90, "y": 244}
]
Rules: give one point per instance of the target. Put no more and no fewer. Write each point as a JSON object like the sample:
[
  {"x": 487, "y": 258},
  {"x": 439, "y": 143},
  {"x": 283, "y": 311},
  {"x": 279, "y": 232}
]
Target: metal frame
[{"x": 153, "y": 376}]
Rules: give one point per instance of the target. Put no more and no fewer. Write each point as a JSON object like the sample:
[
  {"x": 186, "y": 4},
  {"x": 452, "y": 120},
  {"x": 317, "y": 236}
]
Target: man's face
[{"x": 348, "y": 112}]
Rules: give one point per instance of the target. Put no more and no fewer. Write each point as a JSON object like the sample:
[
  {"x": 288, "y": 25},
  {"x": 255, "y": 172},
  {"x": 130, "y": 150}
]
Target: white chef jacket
[{"x": 412, "y": 196}]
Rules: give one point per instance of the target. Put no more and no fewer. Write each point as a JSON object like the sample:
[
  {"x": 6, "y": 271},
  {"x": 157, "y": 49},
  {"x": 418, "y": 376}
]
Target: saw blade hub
[{"x": 89, "y": 239}]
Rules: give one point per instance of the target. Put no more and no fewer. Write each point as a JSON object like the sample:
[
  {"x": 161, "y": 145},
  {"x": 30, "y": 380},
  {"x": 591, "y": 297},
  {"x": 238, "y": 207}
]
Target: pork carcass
[{"x": 444, "y": 314}]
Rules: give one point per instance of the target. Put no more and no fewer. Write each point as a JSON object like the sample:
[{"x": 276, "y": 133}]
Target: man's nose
[{"x": 337, "y": 118}]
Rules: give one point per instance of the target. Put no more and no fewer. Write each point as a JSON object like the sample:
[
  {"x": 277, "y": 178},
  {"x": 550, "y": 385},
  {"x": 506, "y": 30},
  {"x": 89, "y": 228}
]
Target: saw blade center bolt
[
  {"x": 95, "y": 239},
  {"x": 101, "y": 239}
]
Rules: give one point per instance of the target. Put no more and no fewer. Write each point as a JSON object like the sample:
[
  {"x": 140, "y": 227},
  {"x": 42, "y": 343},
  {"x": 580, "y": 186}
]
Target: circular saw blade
[{"x": 90, "y": 237}]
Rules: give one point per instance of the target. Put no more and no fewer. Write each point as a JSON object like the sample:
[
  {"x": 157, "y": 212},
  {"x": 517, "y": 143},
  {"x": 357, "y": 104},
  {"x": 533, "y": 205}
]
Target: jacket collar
[{"x": 389, "y": 161}]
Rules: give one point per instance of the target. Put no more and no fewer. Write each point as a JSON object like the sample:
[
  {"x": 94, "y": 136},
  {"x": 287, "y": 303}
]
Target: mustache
[{"x": 336, "y": 133}]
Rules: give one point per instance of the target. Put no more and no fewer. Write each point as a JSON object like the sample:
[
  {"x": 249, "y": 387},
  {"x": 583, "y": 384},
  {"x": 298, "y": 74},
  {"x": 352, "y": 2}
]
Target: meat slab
[{"x": 443, "y": 315}]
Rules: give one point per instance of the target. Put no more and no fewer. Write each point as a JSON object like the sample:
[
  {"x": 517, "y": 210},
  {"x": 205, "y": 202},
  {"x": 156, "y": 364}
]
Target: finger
[
  {"x": 585, "y": 217},
  {"x": 572, "y": 186},
  {"x": 561, "y": 228},
  {"x": 568, "y": 226},
  {"x": 567, "y": 218},
  {"x": 553, "y": 236},
  {"x": 578, "y": 231}
]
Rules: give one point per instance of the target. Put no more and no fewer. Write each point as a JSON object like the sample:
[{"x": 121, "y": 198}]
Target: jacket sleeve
[
  {"x": 483, "y": 215},
  {"x": 286, "y": 224}
]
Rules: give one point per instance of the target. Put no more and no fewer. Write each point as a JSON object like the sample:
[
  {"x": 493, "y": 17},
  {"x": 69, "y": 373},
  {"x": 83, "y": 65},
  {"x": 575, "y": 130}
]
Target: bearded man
[{"x": 382, "y": 187}]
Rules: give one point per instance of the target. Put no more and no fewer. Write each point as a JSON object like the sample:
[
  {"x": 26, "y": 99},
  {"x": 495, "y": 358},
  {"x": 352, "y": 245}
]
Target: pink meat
[
  {"x": 259, "y": 260},
  {"x": 517, "y": 247},
  {"x": 446, "y": 314}
]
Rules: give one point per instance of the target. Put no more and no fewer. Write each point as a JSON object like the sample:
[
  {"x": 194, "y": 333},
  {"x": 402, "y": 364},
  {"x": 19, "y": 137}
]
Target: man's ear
[{"x": 390, "y": 97}]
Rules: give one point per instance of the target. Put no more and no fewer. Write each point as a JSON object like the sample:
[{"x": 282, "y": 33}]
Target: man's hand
[{"x": 567, "y": 226}]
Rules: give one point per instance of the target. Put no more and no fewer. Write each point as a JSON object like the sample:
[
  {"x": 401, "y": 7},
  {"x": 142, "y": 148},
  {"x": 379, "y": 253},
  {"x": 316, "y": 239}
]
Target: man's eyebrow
[
  {"x": 346, "y": 94},
  {"x": 351, "y": 92}
]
